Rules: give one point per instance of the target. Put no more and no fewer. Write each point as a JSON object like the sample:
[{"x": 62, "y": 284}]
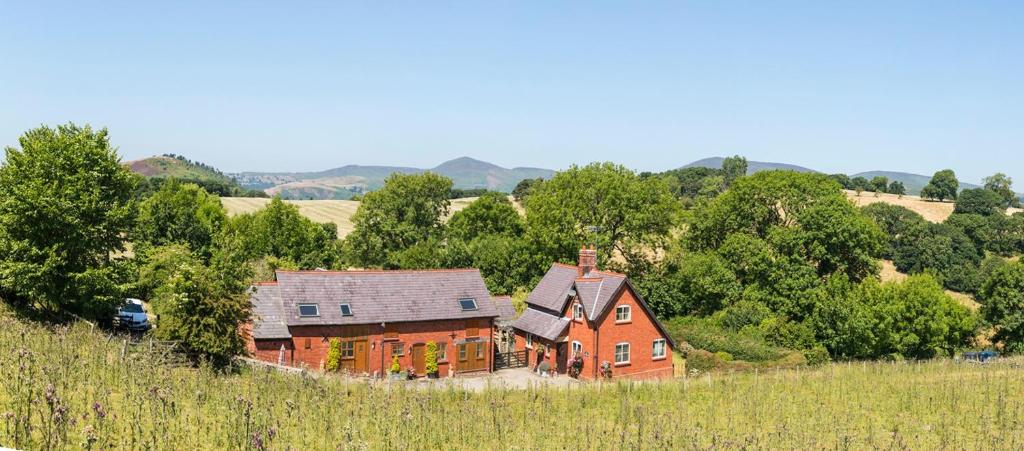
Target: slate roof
[
  {"x": 506, "y": 312},
  {"x": 541, "y": 324},
  {"x": 597, "y": 291},
  {"x": 553, "y": 290},
  {"x": 374, "y": 296},
  {"x": 269, "y": 316}
]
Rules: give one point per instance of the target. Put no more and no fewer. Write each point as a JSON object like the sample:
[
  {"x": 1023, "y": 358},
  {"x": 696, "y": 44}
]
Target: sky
[{"x": 913, "y": 86}]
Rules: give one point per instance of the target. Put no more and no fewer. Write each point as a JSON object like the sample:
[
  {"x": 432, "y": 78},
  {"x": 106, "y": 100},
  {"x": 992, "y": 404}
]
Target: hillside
[
  {"x": 931, "y": 210},
  {"x": 338, "y": 212},
  {"x": 175, "y": 166},
  {"x": 347, "y": 181},
  {"x": 752, "y": 166}
]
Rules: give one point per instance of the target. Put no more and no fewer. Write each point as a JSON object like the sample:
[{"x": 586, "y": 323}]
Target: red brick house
[
  {"x": 376, "y": 315},
  {"x": 597, "y": 316}
]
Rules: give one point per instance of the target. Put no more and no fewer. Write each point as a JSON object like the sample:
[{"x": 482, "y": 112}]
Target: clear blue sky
[{"x": 911, "y": 86}]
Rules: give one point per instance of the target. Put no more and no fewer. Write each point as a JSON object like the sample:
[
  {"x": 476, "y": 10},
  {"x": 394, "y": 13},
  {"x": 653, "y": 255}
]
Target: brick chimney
[{"x": 588, "y": 260}]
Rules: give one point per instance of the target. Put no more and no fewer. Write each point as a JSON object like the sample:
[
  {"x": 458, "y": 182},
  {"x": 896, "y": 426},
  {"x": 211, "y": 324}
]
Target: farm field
[
  {"x": 69, "y": 387},
  {"x": 322, "y": 211},
  {"x": 931, "y": 210}
]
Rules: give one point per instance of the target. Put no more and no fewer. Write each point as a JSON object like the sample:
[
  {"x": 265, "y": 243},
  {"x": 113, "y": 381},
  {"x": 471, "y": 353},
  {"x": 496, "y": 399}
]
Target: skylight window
[
  {"x": 346, "y": 310},
  {"x": 467, "y": 304},
  {"x": 309, "y": 310}
]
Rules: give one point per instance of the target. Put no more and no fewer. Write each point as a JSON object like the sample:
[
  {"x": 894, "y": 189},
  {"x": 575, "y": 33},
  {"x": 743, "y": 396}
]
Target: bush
[
  {"x": 979, "y": 201},
  {"x": 395, "y": 366},
  {"x": 431, "y": 358},
  {"x": 817, "y": 356},
  {"x": 333, "y": 355},
  {"x": 704, "y": 334},
  {"x": 723, "y": 356},
  {"x": 742, "y": 314}
]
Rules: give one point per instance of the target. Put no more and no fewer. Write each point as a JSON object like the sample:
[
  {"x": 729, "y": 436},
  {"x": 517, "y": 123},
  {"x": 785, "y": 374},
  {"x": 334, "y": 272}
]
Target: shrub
[
  {"x": 704, "y": 334},
  {"x": 742, "y": 314},
  {"x": 431, "y": 358},
  {"x": 333, "y": 355},
  {"x": 723, "y": 356},
  {"x": 395, "y": 367},
  {"x": 817, "y": 356}
]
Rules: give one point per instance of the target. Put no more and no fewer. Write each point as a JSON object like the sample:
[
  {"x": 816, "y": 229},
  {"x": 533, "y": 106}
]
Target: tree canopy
[
  {"x": 180, "y": 213},
  {"x": 65, "y": 207},
  {"x": 942, "y": 186}
]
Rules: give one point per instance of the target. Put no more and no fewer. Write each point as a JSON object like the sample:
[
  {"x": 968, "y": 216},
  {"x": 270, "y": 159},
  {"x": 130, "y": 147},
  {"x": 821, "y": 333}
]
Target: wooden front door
[
  {"x": 560, "y": 359},
  {"x": 361, "y": 363},
  {"x": 419, "y": 361},
  {"x": 472, "y": 356}
]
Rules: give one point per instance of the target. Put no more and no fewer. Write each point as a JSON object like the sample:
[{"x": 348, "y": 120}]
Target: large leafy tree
[
  {"x": 897, "y": 188},
  {"x": 491, "y": 214},
  {"x": 281, "y": 232},
  {"x": 879, "y": 183},
  {"x": 942, "y": 248},
  {"x": 917, "y": 319},
  {"x": 409, "y": 209},
  {"x": 896, "y": 221},
  {"x": 979, "y": 201},
  {"x": 604, "y": 204},
  {"x": 65, "y": 207},
  {"x": 733, "y": 168},
  {"x": 1003, "y": 296},
  {"x": 180, "y": 213},
  {"x": 198, "y": 305},
  {"x": 942, "y": 186},
  {"x": 1002, "y": 185},
  {"x": 803, "y": 215}
]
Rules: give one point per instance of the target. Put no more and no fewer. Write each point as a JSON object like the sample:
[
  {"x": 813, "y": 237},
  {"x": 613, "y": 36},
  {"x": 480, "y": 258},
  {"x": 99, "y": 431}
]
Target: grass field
[
  {"x": 931, "y": 210},
  {"x": 322, "y": 211},
  {"x": 70, "y": 388}
]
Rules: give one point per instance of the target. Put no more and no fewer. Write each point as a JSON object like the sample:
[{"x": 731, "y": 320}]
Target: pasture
[
  {"x": 338, "y": 212},
  {"x": 69, "y": 387},
  {"x": 933, "y": 211}
]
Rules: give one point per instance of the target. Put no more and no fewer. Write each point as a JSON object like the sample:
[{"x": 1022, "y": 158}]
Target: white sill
[
  {"x": 624, "y": 321},
  {"x": 659, "y": 358},
  {"x": 622, "y": 364}
]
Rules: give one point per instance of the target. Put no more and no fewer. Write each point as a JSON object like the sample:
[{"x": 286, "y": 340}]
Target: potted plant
[
  {"x": 575, "y": 366},
  {"x": 431, "y": 358},
  {"x": 544, "y": 368},
  {"x": 606, "y": 369},
  {"x": 410, "y": 373},
  {"x": 395, "y": 371}
]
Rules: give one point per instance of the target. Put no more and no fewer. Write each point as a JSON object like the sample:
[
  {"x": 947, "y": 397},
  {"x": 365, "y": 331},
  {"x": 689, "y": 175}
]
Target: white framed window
[
  {"x": 346, "y": 310},
  {"x": 529, "y": 340},
  {"x": 577, "y": 348},
  {"x": 577, "y": 311},
  {"x": 623, "y": 313},
  {"x": 442, "y": 351},
  {"x": 308, "y": 310},
  {"x": 659, "y": 349},
  {"x": 397, "y": 349},
  {"x": 622, "y": 353}
]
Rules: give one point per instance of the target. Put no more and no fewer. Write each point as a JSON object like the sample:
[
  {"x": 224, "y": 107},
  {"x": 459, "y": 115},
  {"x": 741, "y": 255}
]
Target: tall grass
[{"x": 70, "y": 388}]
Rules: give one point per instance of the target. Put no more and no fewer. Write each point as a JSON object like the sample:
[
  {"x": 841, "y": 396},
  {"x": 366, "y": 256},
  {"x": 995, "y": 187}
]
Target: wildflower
[{"x": 100, "y": 413}]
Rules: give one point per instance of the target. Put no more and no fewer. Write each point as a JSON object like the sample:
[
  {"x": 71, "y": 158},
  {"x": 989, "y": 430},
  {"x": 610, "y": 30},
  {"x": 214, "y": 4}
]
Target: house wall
[
  {"x": 309, "y": 345},
  {"x": 640, "y": 333}
]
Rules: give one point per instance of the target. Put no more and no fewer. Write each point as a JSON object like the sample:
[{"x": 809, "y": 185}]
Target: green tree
[
  {"x": 1002, "y": 185},
  {"x": 279, "y": 230},
  {"x": 895, "y": 221},
  {"x": 917, "y": 319},
  {"x": 200, "y": 306},
  {"x": 942, "y": 186},
  {"x": 843, "y": 180},
  {"x": 942, "y": 248},
  {"x": 694, "y": 283},
  {"x": 603, "y": 204},
  {"x": 180, "y": 213},
  {"x": 523, "y": 188},
  {"x": 824, "y": 228},
  {"x": 733, "y": 168},
  {"x": 879, "y": 184},
  {"x": 491, "y": 214},
  {"x": 897, "y": 188},
  {"x": 409, "y": 209},
  {"x": 860, "y": 184},
  {"x": 979, "y": 201},
  {"x": 1003, "y": 295},
  {"x": 65, "y": 207}
]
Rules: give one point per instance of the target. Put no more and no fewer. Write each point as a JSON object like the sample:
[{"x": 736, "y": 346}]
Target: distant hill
[
  {"x": 347, "y": 181},
  {"x": 752, "y": 166},
  {"x": 157, "y": 168},
  {"x": 177, "y": 166}
]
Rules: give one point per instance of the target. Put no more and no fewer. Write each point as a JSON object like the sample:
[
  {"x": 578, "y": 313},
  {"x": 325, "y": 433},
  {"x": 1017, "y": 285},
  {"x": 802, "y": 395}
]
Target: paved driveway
[{"x": 511, "y": 378}]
